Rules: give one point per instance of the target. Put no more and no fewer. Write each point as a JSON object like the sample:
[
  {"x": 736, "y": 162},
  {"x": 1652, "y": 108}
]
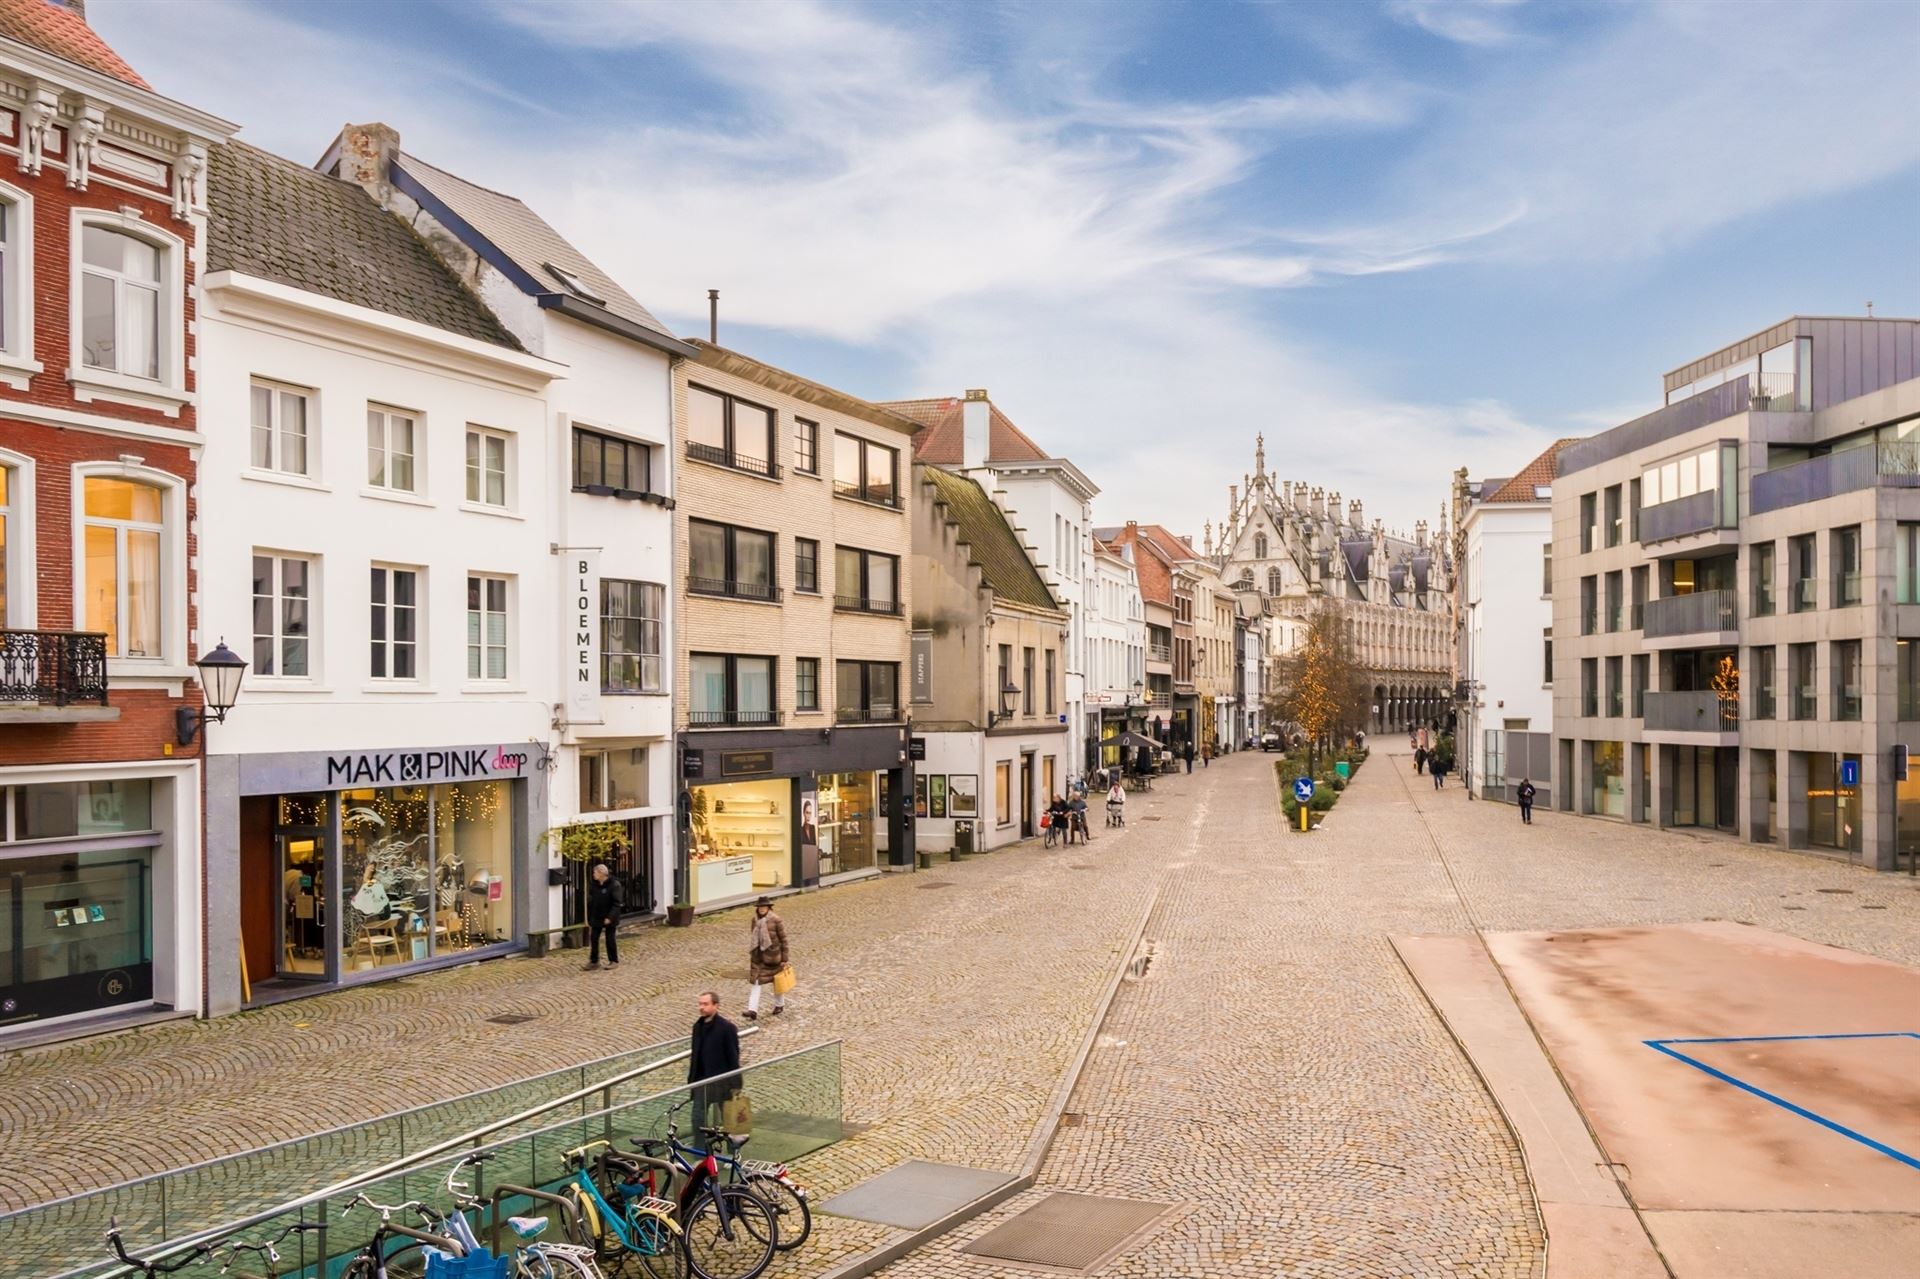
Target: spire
[{"x": 1260, "y": 452}]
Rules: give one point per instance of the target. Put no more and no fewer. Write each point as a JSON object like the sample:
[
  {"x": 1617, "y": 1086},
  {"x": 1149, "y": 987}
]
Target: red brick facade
[{"x": 145, "y": 727}]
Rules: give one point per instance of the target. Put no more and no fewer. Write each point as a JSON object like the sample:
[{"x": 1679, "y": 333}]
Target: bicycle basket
[{"x": 478, "y": 1265}]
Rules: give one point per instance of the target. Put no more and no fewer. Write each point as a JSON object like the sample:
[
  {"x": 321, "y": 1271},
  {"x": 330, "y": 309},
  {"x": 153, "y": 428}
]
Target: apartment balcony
[
  {"x": 1699, "y": 620},
  {"x": 53, "y": 677},
  {"x": 1892, "y": 464},
  {"x": 733, "y": 719},
  {"x": 1695, "y": 718},
  {"x": 860, "y": 604},
  {"x": 722, "y": 588},
  {"x": 867, "y": 715},
  {"x": 1159, "y": 653},
  {"x": 717, "y": 456}
]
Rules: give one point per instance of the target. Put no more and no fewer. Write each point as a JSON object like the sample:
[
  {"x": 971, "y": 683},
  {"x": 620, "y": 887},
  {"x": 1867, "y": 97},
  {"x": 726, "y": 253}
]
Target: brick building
[{"x": 101, "y": 209}]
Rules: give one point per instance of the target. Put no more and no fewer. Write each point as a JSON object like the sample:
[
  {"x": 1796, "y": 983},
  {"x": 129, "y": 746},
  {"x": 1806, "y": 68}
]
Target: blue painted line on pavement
[{"x": 1899, "y": 1156}]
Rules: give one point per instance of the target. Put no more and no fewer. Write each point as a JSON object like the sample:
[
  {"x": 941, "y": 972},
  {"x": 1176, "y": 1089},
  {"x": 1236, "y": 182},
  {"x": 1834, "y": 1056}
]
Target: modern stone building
[
  {"x": 1304, "y": 551},
  {"x": 1737, "y": 596}
]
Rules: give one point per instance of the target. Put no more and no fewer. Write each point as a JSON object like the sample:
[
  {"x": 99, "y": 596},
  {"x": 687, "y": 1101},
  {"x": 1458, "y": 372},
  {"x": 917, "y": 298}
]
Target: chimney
[
  {"x": 366, "y": 158},
  {"x": 713, "y": 316},
  {"x": 1420, "y": 533},
  {"x": 78, "y": 8},
  {"x": 1334, "y": 511},
  {"x": 1359, "y": 514},
  {"x": 974, "y": 415}
]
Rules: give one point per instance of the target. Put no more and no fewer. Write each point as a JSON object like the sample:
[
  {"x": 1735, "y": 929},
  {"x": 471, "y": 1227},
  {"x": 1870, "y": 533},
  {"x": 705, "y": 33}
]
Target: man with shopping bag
[
  {"x": 767, "y": 959},
  {"x": 714, "y": 1051}
]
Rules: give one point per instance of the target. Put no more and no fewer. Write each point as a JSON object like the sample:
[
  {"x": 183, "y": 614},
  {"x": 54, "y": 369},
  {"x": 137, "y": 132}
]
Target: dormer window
[{"x": 572, "y": 284}]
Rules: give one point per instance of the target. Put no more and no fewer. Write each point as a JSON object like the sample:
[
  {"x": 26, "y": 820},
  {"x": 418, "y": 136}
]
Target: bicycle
[
  {"x": 268, "y": 1249},
  {"x": 532, "y": 1258},
  {"x": 152, "y": 1269},
  {"x": 409, "y": 1260},
  {"x": 629, "y": 1218},
  {"x": 772, "y": 1182}
]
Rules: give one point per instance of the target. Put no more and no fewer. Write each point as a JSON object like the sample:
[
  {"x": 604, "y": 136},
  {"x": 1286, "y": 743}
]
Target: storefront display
[
  {"x": 425, "y": 870},
  {"x": 742, "y": 839},
  {"x": 849, "y": 818}
]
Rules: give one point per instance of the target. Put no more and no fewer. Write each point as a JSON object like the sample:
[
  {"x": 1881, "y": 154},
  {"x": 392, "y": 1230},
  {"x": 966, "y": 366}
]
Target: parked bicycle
[
  {"x": 267, "y": 1250},
  {"x": 152, "y": 1269},
  {"x": 772, "y": 1182},
  {"x": 380, "y": 1259},
  {"x": 531, "y": 1256},
  {"x": 629, "y": 1218}
]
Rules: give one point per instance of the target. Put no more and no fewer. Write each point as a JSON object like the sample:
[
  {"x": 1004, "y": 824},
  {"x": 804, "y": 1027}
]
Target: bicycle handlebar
[
  {"x": 152, "y": 1267},
  {"x": 385, "y": 1210}
]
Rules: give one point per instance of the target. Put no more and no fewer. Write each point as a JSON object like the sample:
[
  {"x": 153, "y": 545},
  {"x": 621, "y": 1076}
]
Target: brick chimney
[
  {"x": 367, "y": 153},
  {"x": 975, "y": 413}
]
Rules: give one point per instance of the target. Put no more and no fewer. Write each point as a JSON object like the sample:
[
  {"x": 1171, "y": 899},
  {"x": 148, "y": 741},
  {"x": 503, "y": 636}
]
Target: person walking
[
  {"x": 1056, "y": 821},
  {"x": 766, "y": 956},
  {"x": 1526, "y": 794},
  {"x": 1077, "y": 818},
  {"x": 605, "y": 900},
  {"x": 1116, "y": 804},
  {"x": 1419, "y": 759},
  {"x": 714, "y": 1051},
  {"x": 1189, "y": 755},
  {"x": 1439, "y": 770}
]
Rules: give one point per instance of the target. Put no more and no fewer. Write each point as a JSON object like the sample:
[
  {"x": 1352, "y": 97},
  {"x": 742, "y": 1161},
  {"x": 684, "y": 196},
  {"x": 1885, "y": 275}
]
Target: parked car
[{"x": 1270, "y": 740}]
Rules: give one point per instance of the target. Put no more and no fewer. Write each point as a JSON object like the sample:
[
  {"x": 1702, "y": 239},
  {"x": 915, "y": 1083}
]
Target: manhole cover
[
  {"x": 1069, "y": 1232},
  {"x": 512, "y": 1019},
  {"x": 939, "y": 883}
]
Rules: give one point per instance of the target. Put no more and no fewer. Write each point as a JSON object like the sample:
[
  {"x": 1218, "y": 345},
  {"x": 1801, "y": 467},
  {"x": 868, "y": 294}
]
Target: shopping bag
[
  {"x": 783, "y": 980},
  {"x": 1046, "y": 820},
  {"x": 736, "y": 1114}
]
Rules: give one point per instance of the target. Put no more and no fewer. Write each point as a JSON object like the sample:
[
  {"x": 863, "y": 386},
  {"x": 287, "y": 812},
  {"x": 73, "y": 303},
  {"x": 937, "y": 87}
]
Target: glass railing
[{"x": 797, "y": 1109}]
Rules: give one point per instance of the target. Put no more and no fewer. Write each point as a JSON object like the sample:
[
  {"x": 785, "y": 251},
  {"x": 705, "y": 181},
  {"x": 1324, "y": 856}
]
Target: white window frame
[
  {"x": 276, "y": 428},
  {"x": 506, "y": 644},
  {"x": 472, "y": 503},
  {"x": 420, "y": 585},
  {"x": 21, "y": 609},
  {"x": 17, "y": 364},
  {"x": 169, "y": 392},
  {"x": 279, "y": 676},
  {"x": 171, "y": 664},
  {"x": 386, "y": 489}
]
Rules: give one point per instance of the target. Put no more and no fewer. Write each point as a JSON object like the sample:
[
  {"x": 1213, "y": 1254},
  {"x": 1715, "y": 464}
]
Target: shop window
[
  {"x": 806, "y": 446},
  {"x": 806, "y": 565},
  {"x": 72, "y": 918},
  {"x": 865, "y": 470},
  {"x": 1609, "y": 792},
  {"x": 608, "y": 465},
  {"x": 1833, "y": 808},
  {"x": 282, "y": 608},
  {"x": 726, "y": 560},
  {"x": 865, "y": 581},
  {"x": 486, "y": 627},
  {"x": 1003, "y": 793},
  {"x": 867, "y": 692},
  {"x": 730, "y": 432},
  {"x": 741, "y": 839},
  {"x": 488, "y": 458},
  {"x": 393, "y": 449},
  {"x": 425, "y": 871},
  {"x": 806, "y": 683},
  {"x": 613, "y": 779},
  {"x": 631, "y": 653},
  {"x": 395, "y": 623},
  {"x": 726, "y": 689},
  {"x": 61, "y": 810},
  {"x": 850, "y": 822},
  {"x": 280, "y": 415}
]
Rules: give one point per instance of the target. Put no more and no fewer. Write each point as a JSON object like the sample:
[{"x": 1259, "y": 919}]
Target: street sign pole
[{"x": 1302, "y": 793}]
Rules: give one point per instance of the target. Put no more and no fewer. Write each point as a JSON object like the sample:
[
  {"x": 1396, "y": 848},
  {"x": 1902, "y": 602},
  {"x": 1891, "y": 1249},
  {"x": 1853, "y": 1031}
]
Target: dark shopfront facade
[
  {"x": 771, "y": 810},
  {"x": 329, "y": 868}
]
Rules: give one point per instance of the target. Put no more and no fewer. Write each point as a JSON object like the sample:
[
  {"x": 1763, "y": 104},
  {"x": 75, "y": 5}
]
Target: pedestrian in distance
[
  {"x": 1419, "y": 759},
  {"x": 1439, "y": 770},
  {"x": 1116, "y": 804},
  {"x": 766, "y": 956},
  {"x": 1077, "y": 818},
  {"x": 1526, "y": 794},
  {"x": 605, "y": 900},
  {"x": 1189, "y": 755},
  {"x": 714, "y": 1051},
  {"x": 1056, "y": 821}
]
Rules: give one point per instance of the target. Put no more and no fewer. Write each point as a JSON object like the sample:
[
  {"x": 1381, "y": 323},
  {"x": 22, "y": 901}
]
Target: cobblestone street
[{"x": 1276, "y": 1068}]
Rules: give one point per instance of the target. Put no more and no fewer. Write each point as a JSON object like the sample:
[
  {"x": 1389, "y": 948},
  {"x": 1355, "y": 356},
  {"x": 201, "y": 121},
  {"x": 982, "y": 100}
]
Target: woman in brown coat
[{"x": 766, "y": 956}]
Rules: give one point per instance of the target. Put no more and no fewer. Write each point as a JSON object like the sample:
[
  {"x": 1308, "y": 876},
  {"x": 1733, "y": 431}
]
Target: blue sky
[{"x": 1396, "y": 237}]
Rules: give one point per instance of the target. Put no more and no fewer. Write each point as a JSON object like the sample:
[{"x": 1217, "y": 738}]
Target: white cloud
[{"x": 1475, "y": 22}]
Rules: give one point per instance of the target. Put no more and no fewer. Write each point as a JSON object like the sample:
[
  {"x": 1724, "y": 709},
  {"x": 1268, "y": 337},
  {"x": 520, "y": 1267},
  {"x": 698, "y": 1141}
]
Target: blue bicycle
[
  {"x": 633, "y": 1221},
  {"x": 532, "y": 1257}
]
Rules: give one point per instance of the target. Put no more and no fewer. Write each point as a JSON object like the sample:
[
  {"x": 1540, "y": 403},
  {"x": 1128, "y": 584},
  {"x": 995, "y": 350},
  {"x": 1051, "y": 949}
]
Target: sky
[{"x": 1395, "y": 237}]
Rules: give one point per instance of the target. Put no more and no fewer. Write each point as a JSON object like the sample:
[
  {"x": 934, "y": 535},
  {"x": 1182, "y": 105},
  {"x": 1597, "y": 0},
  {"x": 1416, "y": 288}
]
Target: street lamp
[{"x": 220, "y": 673}]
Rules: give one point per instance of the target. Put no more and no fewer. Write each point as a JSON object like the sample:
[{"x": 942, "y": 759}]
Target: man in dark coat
[
  {"x": 715, "y": 1052},
  {"x": 1526, "y": 794},
  {"x": 605, "y": 900},
  {"x": 1189, "y": 754}
]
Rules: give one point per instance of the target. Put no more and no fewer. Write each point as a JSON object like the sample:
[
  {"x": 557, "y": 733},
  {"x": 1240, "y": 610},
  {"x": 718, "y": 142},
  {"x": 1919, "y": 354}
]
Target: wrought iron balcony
[
  {"x": 733, "y": 719},
  {"x": 765, "y": 592},
  {"x": 861, "y": 604},
  {"x": 53, "y": 668},
  {"x": 867, "y": 715},
  {"x": 733, "y": 461}
]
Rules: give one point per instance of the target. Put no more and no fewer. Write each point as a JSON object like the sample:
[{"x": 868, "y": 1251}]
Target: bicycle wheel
[
  {"x": 408, "y": 1261},
  {"x": 730, "y": 1247},
  {"x": 657, "y": 1246},
  {"x": 790, "y": 1211},
  {"x": 587, "y": 1227}
]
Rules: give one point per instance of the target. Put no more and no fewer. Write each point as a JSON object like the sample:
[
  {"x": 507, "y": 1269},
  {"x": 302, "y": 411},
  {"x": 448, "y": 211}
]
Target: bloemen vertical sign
[{"x": 581, "y": 612}]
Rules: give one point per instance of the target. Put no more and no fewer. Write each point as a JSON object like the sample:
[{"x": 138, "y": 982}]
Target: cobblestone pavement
[{"x": 1279, "y": 1072}]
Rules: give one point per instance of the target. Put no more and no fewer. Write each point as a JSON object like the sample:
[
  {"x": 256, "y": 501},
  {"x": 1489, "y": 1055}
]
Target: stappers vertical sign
[{"x": 582, "y": 640}]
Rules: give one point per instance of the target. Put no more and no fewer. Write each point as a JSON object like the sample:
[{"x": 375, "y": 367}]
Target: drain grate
[
  {"x": 1069, "y": 1232},
  {"x": 512, "y": 1019},
  {"x": 1147, "y": 819},
  {"x": 1847, "y": 891},
  {"x": 939, "y": 883}
]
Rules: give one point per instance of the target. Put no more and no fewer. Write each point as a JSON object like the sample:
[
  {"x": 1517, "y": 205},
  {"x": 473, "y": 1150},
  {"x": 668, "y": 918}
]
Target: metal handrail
[{"x": 392, "y": 1167}]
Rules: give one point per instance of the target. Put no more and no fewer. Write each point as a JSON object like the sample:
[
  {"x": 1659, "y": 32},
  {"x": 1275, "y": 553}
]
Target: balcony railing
[
  {"x": 53, "y": 668},
  {"x": 1682, "y": 517},
  {"x": 1692, "y": 614},
  {"x": 1698, "y": 711},
  {"x": 860, "y": 604},
  {"x": 764, "y": 591},
  {"x": 1888, "y": 464},
  {"x": 1804, "y": 593},
  {"x": 733, "y": 719},
  {"x": 736, "y": 461},
  {"x": 1159, "y": 652},
  {"x": 867, "y": 715},
  {"x": 871, "y": 496}
]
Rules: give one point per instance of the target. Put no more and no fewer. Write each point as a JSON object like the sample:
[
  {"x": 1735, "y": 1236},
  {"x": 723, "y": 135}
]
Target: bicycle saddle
[{"x": 526, "y": 1227}]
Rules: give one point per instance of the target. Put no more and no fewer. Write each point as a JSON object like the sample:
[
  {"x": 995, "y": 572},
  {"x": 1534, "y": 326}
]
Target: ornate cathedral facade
[{"x": 1304, "y": 552}]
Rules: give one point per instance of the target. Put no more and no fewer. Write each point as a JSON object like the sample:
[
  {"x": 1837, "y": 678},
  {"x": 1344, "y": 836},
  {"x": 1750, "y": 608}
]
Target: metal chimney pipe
[{"x": 713, "y": 316}]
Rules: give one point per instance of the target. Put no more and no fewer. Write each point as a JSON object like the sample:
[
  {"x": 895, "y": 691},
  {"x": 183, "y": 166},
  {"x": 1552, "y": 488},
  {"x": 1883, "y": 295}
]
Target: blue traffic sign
[
  {"x": 1303, "y": 789},
  {"x": 1849, "y": 772}
]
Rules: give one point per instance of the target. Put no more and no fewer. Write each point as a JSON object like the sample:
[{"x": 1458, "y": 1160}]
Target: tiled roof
[
  {"x": 991, "y": 541},
  {"x": 942, "y": 443},
  {"x": 533, "y": 246},
  {"x": 282, "y": 221},
  {"x": 1537, "y": 474},
  {"x": 65, "y": 34},
  {"x": 1171, "y": 545},
  {"x": 1150, "y": 564}
]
